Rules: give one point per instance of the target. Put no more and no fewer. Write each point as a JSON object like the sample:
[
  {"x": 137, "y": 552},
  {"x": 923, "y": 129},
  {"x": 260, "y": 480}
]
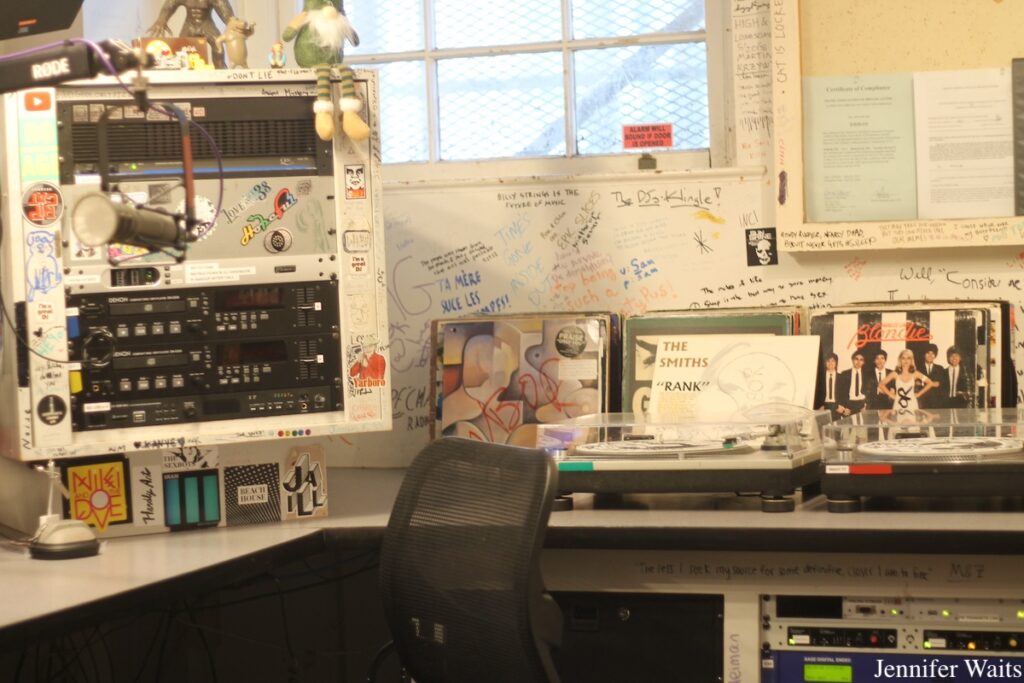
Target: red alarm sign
[{"x": 43, "y": 204}]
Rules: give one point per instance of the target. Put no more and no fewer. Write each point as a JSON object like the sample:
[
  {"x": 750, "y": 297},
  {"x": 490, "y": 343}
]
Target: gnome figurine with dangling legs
[{"x": 320, "y": 32}]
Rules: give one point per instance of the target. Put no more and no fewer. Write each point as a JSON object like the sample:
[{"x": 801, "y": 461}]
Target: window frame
[
  {"x": 275, "y": 16},
  {"x": 717, "y": 23}
]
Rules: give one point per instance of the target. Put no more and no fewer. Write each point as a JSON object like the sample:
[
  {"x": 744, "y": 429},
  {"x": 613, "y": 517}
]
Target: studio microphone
[
  {"x": 67, "y": 61},
  {"x": 98, "y": 220}
]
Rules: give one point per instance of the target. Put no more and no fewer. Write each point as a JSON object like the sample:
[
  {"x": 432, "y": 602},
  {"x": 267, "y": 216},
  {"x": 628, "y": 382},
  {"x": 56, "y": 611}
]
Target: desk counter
[{"x": 361, "y": 501}]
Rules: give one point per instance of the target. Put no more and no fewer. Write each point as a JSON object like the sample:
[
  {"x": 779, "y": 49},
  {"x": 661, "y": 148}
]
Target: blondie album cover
[{"x": 902, "y": 358}]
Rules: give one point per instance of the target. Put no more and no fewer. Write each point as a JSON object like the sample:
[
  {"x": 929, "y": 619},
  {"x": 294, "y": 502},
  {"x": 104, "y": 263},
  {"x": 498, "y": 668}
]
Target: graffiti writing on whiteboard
[
  {"x": 700, "y": 197},
  {"x": 411, "y": 299},
  {"x": 410, "y": 346}
]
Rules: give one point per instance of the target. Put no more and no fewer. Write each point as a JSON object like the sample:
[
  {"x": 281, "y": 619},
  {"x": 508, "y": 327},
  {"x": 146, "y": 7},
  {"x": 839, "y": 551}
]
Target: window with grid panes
[{"x": 475, "y": 80}]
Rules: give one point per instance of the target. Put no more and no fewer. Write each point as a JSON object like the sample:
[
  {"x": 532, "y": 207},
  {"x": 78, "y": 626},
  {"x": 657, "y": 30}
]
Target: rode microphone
[
  {"x": 67, "y": 61},
  {"x": 98, "y": 220}
]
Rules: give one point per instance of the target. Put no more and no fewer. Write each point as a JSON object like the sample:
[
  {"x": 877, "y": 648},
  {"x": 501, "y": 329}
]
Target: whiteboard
[{"x": 627, "y": 244}]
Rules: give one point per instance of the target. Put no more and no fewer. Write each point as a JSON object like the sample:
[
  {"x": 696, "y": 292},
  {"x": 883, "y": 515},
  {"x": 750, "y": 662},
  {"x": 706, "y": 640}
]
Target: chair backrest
[{"x": 460, "y": 565}]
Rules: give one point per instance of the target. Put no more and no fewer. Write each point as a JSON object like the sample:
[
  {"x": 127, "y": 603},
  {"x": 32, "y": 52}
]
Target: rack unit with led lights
[
  {"x": 271, "y": 313},
  {"x": 842, "y": 638},
  {"x": 273, "y": 321}
]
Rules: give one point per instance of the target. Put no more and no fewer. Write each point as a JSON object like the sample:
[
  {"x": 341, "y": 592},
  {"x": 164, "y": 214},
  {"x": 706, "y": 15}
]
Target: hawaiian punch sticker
[{"x": 258, "y": 223}]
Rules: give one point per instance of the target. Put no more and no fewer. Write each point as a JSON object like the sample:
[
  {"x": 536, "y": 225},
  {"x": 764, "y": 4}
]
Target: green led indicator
[
  {"x": 792, "y": 641},
  {"x": 927, "y": 644},
  {"x": 894, "y": 611},
  {"x": 1020, "y": 614},
  {"x": 134, "y": 167},
  {"x": 945, "y": 613},
  {"x": 828, "y": 673}
]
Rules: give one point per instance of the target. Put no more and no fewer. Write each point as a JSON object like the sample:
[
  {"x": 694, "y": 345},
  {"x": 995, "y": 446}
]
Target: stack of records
[
  {"x": 496, "y": 378},
  {"x": 641, "y": 335},
  {"x": 915, "y": 355}
]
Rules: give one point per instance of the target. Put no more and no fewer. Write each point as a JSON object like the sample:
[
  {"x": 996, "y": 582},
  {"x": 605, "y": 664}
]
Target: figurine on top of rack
[
  {"x": 277, "y": 58},
  {"x": 320, "y": 31},
  {"x": 198, "y": 22},
  {"x": 233, "y": 41}
]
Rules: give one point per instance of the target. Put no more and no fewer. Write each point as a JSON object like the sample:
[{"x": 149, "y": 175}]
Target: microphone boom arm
[
  {"x": 66, "y": 61},
  {"x": 188, "y": 175}
]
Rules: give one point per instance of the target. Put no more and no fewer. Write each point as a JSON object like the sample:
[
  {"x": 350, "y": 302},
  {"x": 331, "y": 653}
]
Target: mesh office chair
[{"x": 460, "y": 565}]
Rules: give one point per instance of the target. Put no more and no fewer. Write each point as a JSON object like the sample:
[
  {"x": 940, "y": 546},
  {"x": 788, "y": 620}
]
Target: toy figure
[
  {"x": 320, "y": 31},
  {"x": 198, "y": 22},
  {"x": 234, "y": 37},
  {"x": 277, "y": 57}
]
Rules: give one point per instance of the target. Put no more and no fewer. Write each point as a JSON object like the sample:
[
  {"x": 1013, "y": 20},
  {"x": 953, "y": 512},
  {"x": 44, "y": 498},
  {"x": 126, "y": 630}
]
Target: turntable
[
  {"x": 769, "y": 450},
  {"x": 923, "y": 453}
]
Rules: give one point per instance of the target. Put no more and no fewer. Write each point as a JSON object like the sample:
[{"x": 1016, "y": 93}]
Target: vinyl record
[
  {"x": 654, "y": 450},
  {"x": 944, "y": 449}
]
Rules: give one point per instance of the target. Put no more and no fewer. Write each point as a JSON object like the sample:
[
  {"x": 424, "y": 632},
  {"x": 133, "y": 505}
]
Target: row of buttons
[
  {"x": 236, "y": 317},
  {"x": 159, "y": 415},
  {"x": 273, "y": 406},
  {"x": 232, "y": 328},
  {"x": 236, "y": 380},
  {"x": 242, "y": 369},
  {"x": 158, "y": 383},
  {"x": 141, "y": 329}
]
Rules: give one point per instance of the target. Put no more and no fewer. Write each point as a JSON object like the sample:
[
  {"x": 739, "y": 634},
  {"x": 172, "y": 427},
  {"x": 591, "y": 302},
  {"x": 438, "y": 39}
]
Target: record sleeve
[
  {"x": 996, "y": 383},
  {"x": 642, "y": 333},
  {"x": 880, "y": 333},
  {"x": 496, "y": 378}
]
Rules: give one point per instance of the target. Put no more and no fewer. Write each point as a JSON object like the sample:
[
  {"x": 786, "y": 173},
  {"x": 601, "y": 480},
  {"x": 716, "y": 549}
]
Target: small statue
[
  {"x": 198, "y": 22},
  {"x": 234, "y": 36},
  {"x": 320, "y": 31},
  {"x": 277, "y": 58}
]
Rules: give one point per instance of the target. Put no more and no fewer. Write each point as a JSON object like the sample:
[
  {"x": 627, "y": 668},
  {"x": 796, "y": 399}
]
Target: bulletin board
[
  {"x": 625, "y": 244},
  {"x": 824, "y": 38}
]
